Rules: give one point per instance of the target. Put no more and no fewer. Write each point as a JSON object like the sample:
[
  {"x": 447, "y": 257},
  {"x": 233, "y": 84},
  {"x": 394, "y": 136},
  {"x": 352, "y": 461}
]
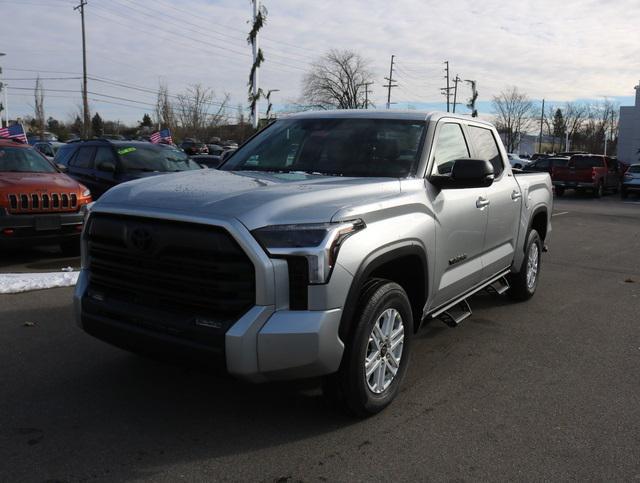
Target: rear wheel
[
  {"x": 623, "y": 193},
  {"x": 524, "y": 283},
  {"x": 598, "y": 190},
  {"x": 560, "y": 191},
  {"x": 377, "y": 354}
]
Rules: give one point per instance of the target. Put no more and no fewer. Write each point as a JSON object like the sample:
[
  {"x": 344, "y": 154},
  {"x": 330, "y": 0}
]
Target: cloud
[{"x": 557, "y": 50}]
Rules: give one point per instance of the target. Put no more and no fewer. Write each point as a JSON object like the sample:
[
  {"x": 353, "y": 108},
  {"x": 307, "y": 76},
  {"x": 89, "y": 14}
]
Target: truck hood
[
  {"x": 256, "y": 199},
  {"x": 37, "y": 182}
]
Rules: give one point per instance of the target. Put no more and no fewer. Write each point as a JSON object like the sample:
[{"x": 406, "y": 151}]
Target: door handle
[
  {"x": 516, "y": 195},
  {"x": 481, "y": 202}
]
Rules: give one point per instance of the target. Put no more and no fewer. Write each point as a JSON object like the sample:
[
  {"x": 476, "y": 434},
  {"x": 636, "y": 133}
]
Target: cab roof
[{"x": 408, "y": 115}]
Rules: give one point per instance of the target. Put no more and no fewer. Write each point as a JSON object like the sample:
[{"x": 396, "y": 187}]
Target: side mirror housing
[
  {"x": 107, "y": 166},
  {"x": 466, "y": 173},
  {"x": 62, "y": 167}
]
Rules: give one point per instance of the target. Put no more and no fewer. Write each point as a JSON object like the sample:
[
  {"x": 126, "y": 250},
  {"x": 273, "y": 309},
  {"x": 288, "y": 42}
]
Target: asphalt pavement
[{"x": 543, "y": 390}]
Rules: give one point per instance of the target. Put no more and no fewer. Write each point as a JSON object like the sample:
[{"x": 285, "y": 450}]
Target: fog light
[{"x": 8, "y": 231}]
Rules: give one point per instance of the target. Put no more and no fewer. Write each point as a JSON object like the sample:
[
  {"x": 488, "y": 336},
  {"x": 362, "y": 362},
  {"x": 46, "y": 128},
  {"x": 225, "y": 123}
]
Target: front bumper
[
  {"x": 631, "y": 186},
  {"x": 264, "y": 344},
  {"x": 41, "y": 228}
]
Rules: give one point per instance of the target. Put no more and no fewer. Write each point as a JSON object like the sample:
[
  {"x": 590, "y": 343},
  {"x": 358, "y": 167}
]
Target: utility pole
[
  {"x": 366, "y": 93},
  {"x": 455, "y": 91},
  {"x": 447, "y": 90},
  {"x": 256, "y": 48},
  {"x": 3, "y": 105},
  {"x": 541, "y": 122},
  {"x": 85, "y": 102},
  {"x": 390, "y": 84}
]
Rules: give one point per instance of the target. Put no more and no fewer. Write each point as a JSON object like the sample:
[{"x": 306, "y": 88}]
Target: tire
[
  {"x": 598, "y": 191},
  {"x": 521, "y": 287},
  {"x": 560, "y": 191},
  {"x": 624, "y": 193},
  {"x": 383, "y": 304},
  {"x": 70, "y": 248}
]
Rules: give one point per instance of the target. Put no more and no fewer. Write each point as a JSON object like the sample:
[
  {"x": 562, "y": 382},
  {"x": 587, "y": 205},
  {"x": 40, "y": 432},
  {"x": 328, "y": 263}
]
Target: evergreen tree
[
  {"x": 146, "y": 121},
  {"x": 97, "y": 126},
  {"x": 558, "y": 124}
]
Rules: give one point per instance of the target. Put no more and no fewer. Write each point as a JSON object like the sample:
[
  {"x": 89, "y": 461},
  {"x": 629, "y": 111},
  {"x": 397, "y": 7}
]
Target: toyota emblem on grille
[{"x": 141, "y": 239}]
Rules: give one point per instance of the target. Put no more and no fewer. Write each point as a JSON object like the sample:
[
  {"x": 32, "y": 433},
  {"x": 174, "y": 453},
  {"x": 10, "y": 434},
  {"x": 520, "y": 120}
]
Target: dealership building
[{"x": 629, "y": 132}]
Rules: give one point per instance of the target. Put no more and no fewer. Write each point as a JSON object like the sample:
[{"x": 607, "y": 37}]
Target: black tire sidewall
[{"x": 360, "y": 398}]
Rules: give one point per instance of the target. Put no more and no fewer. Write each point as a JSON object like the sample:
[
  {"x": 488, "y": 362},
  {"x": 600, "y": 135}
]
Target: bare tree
[
  {"x": 513, "y": 110},
  {"x": 575, "y": 115},
  {"x": 38, "y": 94},
  {"x": 337, "y": 81},
  {"x": 193, "y": 110},
  {"x": 164, "y": 112}
]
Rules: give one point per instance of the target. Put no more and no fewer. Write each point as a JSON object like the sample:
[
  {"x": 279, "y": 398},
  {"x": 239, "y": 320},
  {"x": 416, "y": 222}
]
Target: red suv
[{"x": 38, "y": 203}]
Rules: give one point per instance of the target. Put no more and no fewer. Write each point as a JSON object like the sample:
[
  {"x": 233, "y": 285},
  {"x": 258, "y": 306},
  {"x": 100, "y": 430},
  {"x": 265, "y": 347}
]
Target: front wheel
[
  {"x": 377, "y": 354},
  {"x": 524, "y": 283},
  {"x": 560, "y": 191},
  {"x": 624, "y": 193}
]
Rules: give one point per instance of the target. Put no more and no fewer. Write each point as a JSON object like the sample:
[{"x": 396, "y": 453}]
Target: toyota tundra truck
[{"x": 319, "y": 248}]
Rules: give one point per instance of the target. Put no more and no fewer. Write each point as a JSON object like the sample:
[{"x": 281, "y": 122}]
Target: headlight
[
  {"x": 319, "y": 243},
  {"x": 86, "y": 192}
]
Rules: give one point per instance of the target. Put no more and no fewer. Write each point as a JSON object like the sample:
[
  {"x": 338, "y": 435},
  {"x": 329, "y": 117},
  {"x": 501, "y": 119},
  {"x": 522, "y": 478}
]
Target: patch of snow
[{"x": 25, "y": 282}]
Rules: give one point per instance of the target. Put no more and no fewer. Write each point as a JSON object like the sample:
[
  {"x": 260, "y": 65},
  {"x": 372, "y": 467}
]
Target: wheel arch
[{"x": 405, "y": 265}]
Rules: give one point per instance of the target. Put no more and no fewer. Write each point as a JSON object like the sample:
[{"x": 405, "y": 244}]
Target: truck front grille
[
  {"x": 196, "y": 275},
  {"x": 24, "y": 203}
]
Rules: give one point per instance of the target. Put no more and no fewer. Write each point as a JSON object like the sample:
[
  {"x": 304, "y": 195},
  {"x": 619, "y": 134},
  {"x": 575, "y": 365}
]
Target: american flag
[
  {"x": 14, "y": 132},
  {"x": 161, "y": 136}
]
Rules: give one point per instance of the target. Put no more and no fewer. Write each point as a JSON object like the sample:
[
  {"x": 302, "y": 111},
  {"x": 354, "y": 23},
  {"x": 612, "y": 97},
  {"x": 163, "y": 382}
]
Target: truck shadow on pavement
[
  {"x": 124, "y": 415},
  {"x": 35, "y": 259}
]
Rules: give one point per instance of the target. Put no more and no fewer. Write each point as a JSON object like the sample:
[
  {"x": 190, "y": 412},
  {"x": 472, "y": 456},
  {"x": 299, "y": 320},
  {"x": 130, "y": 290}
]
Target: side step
[
  {"x": 455, "y": 314},
  {"x": 498, "y": 287}
]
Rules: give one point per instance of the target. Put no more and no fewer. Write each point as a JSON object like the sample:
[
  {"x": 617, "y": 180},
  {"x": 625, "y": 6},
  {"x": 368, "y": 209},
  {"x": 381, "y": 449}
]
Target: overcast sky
[{"x": 559, "y": 50}]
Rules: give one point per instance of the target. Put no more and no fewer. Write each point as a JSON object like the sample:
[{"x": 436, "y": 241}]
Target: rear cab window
[{"x": 486, "y": 147}]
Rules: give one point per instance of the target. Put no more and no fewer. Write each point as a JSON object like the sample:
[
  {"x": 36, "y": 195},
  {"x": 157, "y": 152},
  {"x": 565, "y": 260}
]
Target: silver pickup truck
[{"x": 318, "y": 249}]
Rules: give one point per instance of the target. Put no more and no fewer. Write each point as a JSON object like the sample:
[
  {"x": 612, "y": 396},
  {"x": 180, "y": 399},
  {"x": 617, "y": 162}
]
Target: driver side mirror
[
  {"x": 466, "y": 173},
  {"x": 61, "y": 167},
  {"x": 107, "y": 166}
]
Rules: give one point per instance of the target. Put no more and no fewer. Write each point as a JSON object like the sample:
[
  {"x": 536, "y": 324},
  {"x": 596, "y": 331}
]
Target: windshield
[
  {"x": 634, "y": 169},
  {"x": 23, "y": 160},
  {"x": 154, "y": 158},
  {"x": 339, "y": 147}
]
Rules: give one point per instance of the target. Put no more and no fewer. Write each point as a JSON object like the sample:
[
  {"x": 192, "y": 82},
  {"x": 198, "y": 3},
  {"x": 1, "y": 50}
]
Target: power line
[{"x": 182, "y": 35}]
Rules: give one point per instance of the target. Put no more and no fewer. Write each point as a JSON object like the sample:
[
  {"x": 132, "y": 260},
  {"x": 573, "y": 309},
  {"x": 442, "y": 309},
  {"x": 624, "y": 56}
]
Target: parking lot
[{"x": 543, "y": 390}]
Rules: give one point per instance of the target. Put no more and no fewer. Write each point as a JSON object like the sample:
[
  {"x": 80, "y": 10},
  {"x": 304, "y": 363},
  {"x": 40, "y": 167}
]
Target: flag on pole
[
  {"x": 163, "y": 136},
  {"x": 14, "y": 132}
]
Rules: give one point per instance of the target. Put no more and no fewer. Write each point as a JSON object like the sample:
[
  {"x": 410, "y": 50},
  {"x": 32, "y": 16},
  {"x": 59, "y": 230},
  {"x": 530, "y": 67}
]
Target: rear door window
[
  {"x": 104, "y": 155},
  {"x": 487, "y": 148}
]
